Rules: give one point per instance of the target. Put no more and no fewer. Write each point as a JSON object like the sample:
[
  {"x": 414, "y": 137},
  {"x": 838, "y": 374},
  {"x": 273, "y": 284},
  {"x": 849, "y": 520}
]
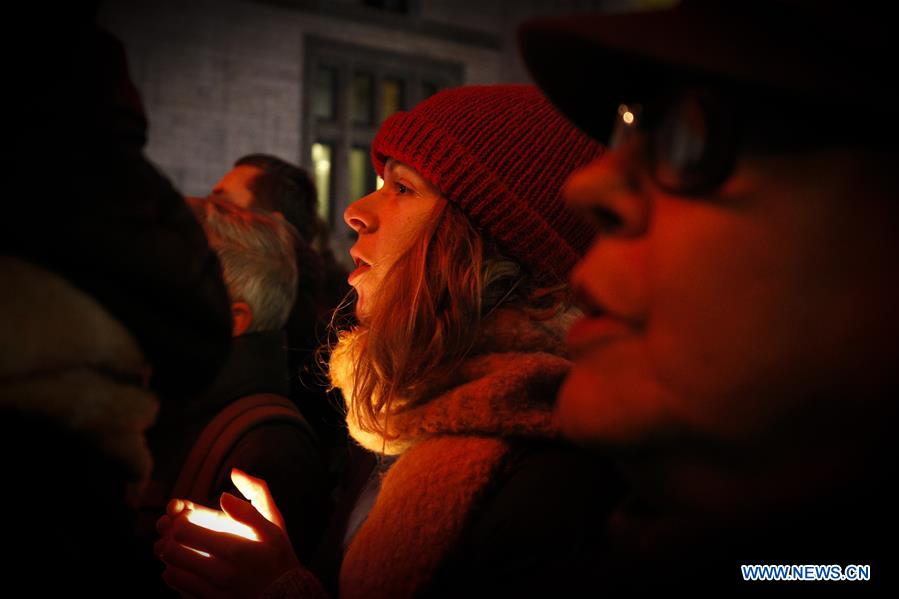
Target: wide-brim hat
[{"x": 839, "y": 53}]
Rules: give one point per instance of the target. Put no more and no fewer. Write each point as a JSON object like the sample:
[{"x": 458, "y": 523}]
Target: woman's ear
[{"x": 242, "y": 317}]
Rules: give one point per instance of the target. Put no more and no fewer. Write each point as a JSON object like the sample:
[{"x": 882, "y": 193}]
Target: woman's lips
[
  {"x": 360, "y": 270},
  {"x": 590, "y": 332}
]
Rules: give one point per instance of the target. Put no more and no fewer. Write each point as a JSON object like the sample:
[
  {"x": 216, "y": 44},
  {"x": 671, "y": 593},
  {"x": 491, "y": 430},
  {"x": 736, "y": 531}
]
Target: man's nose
[{"x": 610, "y": 189}]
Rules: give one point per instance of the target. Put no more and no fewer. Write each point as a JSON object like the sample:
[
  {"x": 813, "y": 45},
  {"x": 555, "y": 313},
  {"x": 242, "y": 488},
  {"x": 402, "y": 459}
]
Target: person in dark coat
[
  {"x": 451, "y": 375},
  {"x": 112, "y": 299},
  {"x": 738, "y": 353}
]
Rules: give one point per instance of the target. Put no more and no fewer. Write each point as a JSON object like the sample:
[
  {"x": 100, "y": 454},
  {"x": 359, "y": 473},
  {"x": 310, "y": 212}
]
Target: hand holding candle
[{"x": 239, "y": 551}]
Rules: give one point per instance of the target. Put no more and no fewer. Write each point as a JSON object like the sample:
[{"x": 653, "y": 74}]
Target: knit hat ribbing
[{"x": 501, "y": 153}]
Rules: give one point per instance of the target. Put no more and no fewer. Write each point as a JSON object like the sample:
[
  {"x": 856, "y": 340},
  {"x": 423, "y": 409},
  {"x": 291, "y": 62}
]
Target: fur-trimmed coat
[
  {"x": 461, "y": 452},
  {"x": 66, "y": 360},
  {"x": 73, "y": 411}
]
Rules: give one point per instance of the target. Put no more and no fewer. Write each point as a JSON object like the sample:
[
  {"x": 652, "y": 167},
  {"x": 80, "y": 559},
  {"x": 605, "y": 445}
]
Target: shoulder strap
[{"x": 222, "y": 435}]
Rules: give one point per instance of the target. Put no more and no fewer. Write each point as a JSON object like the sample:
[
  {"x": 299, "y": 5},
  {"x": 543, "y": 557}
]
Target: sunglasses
[{"x": 691, "y": 138}]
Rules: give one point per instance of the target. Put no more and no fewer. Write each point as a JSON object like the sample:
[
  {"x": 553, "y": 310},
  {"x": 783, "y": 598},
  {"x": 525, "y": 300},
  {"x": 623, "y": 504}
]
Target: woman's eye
[{"x": 401, "y": 188}]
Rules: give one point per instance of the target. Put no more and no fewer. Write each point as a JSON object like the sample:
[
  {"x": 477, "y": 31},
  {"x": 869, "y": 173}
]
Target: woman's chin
[{"x": 361, "y": 308}]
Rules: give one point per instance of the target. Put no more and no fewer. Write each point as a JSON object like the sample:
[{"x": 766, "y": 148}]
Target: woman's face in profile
[{"x": 388, "y": 221}]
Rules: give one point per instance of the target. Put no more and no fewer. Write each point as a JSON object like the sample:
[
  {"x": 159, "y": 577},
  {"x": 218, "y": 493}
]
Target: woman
[{"x": 462, "y": 258}]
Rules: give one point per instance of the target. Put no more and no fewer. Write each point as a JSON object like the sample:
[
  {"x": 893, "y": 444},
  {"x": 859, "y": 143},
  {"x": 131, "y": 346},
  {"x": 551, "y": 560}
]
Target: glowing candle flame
[{"x": 221, "y": 522}]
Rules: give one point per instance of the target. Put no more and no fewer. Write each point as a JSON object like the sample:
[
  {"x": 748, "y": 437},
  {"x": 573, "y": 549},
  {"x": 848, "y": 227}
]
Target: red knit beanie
[{"x": 501, "y": 153}]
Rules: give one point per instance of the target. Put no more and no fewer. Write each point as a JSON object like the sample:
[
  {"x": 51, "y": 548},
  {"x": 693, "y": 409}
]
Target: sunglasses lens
[
  {"x": 694, "y": 146},
  {"x": 680, "y": 144},
  {"x": 689, "y": 140}
]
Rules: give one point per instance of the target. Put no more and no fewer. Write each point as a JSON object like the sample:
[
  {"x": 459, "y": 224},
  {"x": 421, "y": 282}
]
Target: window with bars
[{"x": 350, "y": 91}]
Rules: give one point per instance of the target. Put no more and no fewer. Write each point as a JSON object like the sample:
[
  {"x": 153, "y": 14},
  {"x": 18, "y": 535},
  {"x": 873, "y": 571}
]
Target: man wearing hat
[{"x": 738, "y": 352}]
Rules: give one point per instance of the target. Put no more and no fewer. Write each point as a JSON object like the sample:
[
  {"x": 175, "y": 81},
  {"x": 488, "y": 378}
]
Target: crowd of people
[{"x": 628, "y": 328}]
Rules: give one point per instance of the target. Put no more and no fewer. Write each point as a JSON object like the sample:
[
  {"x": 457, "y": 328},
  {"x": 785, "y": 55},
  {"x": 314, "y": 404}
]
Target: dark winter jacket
[{"x": 286, "y": 456}]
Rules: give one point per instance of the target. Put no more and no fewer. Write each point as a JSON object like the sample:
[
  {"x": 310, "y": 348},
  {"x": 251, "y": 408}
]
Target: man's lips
[
  {"x": 590, "y": 332},
  {"x": 599, "y": 325}
]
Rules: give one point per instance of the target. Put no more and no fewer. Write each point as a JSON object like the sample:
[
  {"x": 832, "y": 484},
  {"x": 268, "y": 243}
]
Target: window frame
[{"x": 344, "y": 135}]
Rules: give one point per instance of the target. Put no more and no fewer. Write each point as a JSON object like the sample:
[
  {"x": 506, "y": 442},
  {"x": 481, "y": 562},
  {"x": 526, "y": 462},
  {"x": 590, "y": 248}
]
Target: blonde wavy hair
[{"x": 426, "y": 318}]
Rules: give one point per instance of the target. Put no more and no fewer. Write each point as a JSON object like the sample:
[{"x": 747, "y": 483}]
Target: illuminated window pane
[
  {"x": 321, "y": 166},
  {"x": 391, "y": 97},
  {"x": 324, "y": 97},
  {"x": 359, "y": 169},
  {"x": 363, "y": 98}
]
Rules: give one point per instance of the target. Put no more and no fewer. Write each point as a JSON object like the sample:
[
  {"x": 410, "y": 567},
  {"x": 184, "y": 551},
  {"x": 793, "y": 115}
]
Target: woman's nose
[
  {"x": 361, "y": 216},
  {"x": 609, "y": 188}
]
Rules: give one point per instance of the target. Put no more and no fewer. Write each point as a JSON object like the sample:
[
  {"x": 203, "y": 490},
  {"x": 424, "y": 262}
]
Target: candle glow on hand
[{"x": 220, "y": 522}]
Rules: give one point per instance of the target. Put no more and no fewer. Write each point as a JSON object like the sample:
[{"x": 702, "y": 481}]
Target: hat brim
[{"x": 587, "y": 64}]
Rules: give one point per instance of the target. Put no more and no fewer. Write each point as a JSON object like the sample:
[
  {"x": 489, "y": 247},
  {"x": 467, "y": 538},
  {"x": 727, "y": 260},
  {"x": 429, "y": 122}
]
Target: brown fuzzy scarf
[{"x": 452, "y": 446}]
